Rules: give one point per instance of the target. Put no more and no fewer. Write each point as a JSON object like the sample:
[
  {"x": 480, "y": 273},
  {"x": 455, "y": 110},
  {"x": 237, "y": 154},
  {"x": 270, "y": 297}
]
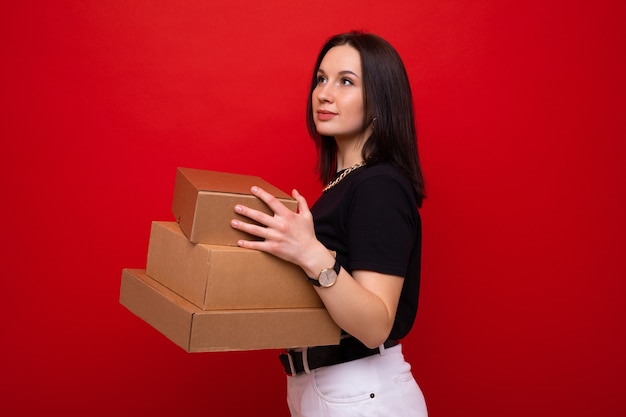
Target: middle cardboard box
[{"x": 215, "y": 277}]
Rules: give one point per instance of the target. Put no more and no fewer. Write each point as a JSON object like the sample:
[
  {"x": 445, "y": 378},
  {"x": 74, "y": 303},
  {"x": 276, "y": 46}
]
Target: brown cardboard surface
[
  {"x": 204, "y": 202},
  {"x": 215, "y": 277},
  {"x": 197, "y": 330}
]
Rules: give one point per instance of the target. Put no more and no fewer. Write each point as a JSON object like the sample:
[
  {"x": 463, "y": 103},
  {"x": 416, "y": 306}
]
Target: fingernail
[
  {"x": 234, "y": 223},
  {"x": 238, "y": 209},
  {"x": 255, "y": 189}
]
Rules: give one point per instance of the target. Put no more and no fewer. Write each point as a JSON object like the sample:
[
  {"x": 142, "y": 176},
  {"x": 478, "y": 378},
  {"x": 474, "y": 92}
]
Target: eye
[
  {"x": 346, "y": 81},
  {"x": 321, "y": 79}
]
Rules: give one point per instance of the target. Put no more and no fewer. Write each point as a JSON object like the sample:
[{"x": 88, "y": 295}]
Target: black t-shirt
[{"x": 372, "y": 220}]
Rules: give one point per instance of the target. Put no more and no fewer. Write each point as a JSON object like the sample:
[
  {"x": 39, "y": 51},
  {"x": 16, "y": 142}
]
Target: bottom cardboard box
[{"x": 197, "y": 330}]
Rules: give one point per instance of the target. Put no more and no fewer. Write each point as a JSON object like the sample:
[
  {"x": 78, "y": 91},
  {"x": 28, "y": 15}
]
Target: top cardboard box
[{"x": 204, "y": 203}]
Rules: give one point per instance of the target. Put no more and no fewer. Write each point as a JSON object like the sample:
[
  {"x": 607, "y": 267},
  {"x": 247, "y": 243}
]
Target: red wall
[{"x": 520, "y": 109}]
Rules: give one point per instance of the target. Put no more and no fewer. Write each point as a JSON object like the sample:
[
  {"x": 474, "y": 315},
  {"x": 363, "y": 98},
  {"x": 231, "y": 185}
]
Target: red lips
[{"x": 325, "y": 115}]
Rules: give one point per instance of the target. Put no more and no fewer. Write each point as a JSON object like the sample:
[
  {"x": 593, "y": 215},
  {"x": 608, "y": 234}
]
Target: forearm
[
  {"x": 363, "y": 305},
  {"x": 357, "y": 310}
]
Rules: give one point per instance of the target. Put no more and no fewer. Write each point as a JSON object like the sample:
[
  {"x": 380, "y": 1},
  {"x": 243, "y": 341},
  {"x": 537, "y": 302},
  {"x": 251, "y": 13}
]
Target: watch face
[{"x": 327, "y": 277}]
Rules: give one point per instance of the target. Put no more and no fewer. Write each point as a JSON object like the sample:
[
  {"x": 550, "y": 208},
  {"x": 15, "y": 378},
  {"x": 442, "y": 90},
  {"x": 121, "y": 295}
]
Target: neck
[
  {"x": 341, "y": 165},
  {"x": 349, "y": 149},
  {"x": 348, "y": 157}
]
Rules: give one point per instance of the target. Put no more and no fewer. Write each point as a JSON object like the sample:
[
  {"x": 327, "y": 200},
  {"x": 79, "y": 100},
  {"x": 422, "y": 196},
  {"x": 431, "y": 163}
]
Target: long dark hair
[{"x": 388, "y": 102}]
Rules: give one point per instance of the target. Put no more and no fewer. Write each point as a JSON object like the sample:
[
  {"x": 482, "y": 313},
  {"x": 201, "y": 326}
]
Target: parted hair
[{"x": 389, "y": 105}]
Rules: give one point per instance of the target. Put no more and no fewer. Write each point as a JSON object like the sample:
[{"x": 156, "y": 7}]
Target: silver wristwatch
[{"x": 327, "y": 276}]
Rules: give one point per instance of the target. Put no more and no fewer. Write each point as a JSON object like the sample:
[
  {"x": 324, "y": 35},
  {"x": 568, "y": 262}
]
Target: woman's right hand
[{"x": 287, "y": 235}]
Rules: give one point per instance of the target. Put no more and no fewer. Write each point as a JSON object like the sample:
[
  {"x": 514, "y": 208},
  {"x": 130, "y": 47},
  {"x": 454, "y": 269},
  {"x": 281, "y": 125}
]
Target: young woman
[{"x": 360, "y": 243}]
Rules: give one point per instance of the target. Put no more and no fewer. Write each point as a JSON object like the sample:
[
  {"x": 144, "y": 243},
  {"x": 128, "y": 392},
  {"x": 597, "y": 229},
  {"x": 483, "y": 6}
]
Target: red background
[{"x": 520, "y": 109}]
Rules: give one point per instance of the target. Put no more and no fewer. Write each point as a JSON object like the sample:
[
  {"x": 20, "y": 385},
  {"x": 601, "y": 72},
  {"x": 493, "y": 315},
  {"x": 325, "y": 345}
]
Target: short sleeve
[{"x": 382, "y": 225}]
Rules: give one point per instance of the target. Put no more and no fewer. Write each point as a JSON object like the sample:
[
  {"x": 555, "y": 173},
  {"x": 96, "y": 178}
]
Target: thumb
[{"x": 303, "y": 207}]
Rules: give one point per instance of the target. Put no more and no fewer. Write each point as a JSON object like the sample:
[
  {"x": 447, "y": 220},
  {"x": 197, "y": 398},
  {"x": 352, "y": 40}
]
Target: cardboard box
[
  {"x": 196, "y": 330},
  {"x": 225, "y": 277},
  {"x": 204, "y": 203}
]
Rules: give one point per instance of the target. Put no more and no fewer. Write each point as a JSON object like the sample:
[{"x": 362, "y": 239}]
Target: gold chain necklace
[{"x": 342, "y": 176}]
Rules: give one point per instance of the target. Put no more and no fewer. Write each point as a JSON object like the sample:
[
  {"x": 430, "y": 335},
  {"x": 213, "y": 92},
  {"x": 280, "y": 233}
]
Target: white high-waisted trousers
[{"x": 379, "y": 386}]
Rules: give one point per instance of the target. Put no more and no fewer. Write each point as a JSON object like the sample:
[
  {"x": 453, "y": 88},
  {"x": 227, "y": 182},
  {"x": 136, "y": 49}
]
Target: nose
[{"x": 324, "y": 93}]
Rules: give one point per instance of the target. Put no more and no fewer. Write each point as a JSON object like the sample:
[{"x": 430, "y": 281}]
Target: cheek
[
  {"x": 355, "y": 106},
  {"x": 355, "y": 101}
]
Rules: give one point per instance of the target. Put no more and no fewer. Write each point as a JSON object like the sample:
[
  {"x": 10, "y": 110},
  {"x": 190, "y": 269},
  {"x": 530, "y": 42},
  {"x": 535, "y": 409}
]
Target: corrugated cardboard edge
[
  {"x": 144, "y": 299},
  {"x": 207, "y": 180},
  {"x": 168, "y": 242},
  {"x": 184, "y": 201},
  {"x": 266, "y": 329},
  {"x": 196, "y": 330}
]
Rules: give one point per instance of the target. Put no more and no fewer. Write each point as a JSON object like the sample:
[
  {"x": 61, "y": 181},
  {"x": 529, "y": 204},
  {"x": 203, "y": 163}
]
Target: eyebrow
[{"x": 344, "y": 72}]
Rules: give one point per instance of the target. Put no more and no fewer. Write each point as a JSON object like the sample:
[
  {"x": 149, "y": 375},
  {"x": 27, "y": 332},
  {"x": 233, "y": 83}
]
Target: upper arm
[{"x": 381, "y": 227}]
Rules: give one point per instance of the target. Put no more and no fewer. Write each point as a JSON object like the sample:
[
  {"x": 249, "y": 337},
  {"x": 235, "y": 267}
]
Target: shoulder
[
  {"x": 385, "y": 183},
  {"x": 382, "y": 175}
]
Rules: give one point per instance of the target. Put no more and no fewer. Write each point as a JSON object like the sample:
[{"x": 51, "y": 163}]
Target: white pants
[{"x": 381, "y": 385}]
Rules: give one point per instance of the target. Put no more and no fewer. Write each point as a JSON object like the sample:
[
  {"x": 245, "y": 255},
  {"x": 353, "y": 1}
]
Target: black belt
[{"x": 348, "y": 350}]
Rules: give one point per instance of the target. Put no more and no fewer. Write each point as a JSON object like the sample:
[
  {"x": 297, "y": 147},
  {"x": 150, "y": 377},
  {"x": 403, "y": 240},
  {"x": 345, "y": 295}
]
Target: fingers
[
  {"x": 249, "y": 228},
  {"x": 271, "y": 201},
  {"x": 264, "y": 221},
  {"x": 274, "y": 204},
  {"x": 255, "y": 215},
  {"x": 303, "y": 207},
  {"x": 268, "y": 226}
]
